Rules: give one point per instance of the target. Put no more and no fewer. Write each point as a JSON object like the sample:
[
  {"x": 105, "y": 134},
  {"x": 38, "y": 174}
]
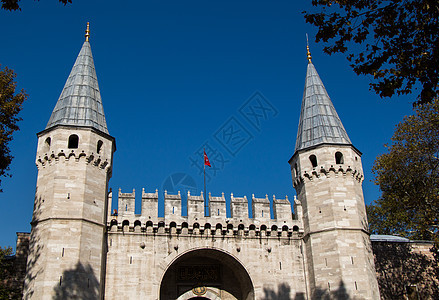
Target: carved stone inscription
[{"x": 206, "y": 273}]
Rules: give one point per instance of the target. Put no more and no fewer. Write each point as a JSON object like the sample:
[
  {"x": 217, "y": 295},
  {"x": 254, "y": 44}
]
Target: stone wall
[{"x": 138, "y": 258}]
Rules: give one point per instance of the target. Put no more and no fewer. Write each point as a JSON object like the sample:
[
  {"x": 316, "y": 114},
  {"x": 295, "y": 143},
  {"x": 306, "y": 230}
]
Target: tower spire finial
[
  {"x": 87, "y": 32},
  {"x": 308, "y": 54}
]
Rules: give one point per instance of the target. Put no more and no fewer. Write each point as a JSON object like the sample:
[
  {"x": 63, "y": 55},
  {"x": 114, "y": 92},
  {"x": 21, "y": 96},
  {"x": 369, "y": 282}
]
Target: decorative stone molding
[
  {"x": 75, "y": 155},
  {"x": 327, "y": 171}
]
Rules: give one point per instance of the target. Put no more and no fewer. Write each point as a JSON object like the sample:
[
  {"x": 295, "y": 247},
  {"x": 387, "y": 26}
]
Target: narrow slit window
[
  {"x": 313, "y": 160},
  {"x": 62, "y": 255},
  {"x": 99, "y": 146},
  {"x": 218, "y": 212},
  {"x": 131, "y": 260}
]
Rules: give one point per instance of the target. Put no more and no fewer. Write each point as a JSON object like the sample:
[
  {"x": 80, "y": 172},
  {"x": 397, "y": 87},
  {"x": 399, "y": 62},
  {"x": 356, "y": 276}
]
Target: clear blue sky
[{"x": 171, "y": 75}]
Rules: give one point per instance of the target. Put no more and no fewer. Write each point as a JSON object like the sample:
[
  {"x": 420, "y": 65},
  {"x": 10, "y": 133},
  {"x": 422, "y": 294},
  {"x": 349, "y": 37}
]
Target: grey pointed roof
[
  {"x": 80, "y": 101},
  {"x": 319, "y": 122}
]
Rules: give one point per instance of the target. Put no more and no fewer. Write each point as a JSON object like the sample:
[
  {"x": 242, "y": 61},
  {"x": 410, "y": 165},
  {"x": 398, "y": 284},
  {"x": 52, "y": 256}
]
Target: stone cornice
[
  {"x": 309, "y": 233},
  {"x": 36, "y": 222}
]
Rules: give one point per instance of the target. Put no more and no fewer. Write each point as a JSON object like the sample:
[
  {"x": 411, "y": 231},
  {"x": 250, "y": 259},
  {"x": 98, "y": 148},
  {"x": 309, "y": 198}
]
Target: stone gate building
[{"x": 80, "y": 250}]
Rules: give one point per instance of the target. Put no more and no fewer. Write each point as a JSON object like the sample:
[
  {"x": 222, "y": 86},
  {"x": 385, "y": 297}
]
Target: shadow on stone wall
[
  {"x": 284, "y": 293},
  {"x": 77, "y": 283},
  {"x": 35, "y": 250},
  {"x": 326, "y": 294},
  {"x": 398, "y": 267}
]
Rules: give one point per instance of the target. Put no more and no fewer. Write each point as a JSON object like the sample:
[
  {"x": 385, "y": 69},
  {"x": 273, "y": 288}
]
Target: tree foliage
[
  {"x": 398, "y": 41},
  {"x": 10, "y": 287},
  {"x": 408, "y": 176},
  {"x": 14, "y": 4},
  {"x": 10, "y": 105},
  {"x": 400, "y": 264}
]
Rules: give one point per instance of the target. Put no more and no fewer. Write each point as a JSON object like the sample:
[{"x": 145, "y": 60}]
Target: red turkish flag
[{"x": 206, "y": 160}]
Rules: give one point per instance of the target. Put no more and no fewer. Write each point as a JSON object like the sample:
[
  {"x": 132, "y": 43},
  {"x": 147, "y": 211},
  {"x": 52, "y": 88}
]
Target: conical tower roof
[
  {"x": 319, "y": 122},
  {"x": 80, "y": 101}
]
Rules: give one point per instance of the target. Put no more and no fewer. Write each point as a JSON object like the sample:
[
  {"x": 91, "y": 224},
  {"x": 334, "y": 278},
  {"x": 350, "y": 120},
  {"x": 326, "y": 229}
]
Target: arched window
[
  {"x": 339, "y": 158},
  {"x": 137, "y": 225},
  {"x": 73, "y": 141},
  {"x": 313, "y": 160},
  {"x": 113, "y": 222},
  {"x": 47, "y": 143},
  {"x": 125, "y": 223},
  {"x": 99, "y": 146}
]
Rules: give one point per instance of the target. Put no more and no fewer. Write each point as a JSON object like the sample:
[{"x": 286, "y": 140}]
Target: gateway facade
[{"x": 80, "y": 250}]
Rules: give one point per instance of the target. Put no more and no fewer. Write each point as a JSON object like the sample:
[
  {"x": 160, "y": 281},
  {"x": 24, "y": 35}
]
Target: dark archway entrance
[{"x": 206, "y": 274}]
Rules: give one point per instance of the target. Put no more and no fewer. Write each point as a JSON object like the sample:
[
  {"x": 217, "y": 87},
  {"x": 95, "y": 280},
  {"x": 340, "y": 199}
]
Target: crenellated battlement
[
  {"x": 239, "y": 222},
  {"x": 327, "y": 171},
  {"x": 72, "y": 155}
]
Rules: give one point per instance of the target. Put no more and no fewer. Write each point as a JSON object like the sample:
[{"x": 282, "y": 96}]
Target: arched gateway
[{"x": 206, "y": 274}]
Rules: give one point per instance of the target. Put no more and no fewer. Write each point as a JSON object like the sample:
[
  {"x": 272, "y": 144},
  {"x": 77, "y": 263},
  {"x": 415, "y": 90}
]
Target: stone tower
[
  {"x": 74, "y": 159},
  {"x": 327, "y": 175}
]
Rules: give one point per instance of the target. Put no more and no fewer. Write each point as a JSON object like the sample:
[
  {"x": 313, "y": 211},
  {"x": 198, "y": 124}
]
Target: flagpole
[{"x": 205, "y": 195}]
